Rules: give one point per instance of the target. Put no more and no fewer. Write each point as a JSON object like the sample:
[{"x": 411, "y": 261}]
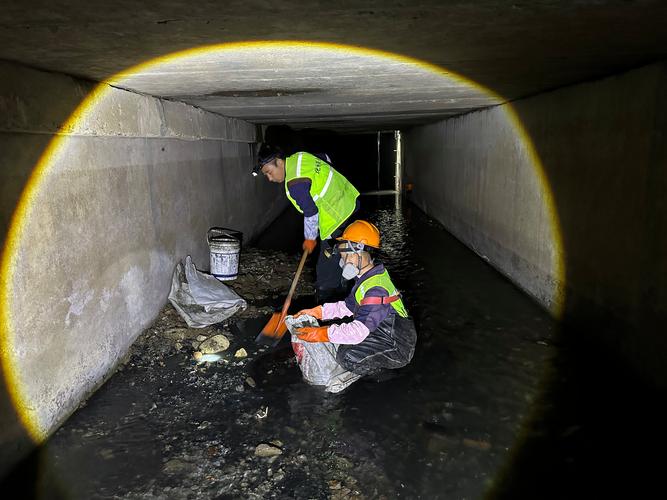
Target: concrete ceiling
[
  {"x": 513, "y": 48},
  {"x": 308, "y": 86}
]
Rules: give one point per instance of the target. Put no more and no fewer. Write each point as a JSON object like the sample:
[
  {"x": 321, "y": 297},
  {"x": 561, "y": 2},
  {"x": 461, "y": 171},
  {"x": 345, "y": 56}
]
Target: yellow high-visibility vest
[
  {"x": 332, "y": 193},
  {"x": 382, "y": 280}
]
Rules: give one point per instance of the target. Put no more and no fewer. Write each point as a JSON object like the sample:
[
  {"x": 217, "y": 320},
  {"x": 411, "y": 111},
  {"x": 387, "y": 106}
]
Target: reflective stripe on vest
[
  {"x": 298, "y": 166},
  {"x": 333, "y": 195},
  {"x": 326, "y": 185},
  {"x": 383, "y": 281}
]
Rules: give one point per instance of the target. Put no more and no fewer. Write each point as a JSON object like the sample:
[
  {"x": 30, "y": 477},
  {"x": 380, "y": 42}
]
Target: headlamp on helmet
[{"x": 266, "y": 154}]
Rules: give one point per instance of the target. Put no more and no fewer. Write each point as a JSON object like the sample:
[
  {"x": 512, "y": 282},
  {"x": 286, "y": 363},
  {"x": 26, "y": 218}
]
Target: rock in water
[
  {"x": 267, "y": 450},
  {"x": 214, "y": 344},
  {"x": 175, "y": 333},
  {"x": 177, "y": 466},
  {"x": 241, "y": 353}
]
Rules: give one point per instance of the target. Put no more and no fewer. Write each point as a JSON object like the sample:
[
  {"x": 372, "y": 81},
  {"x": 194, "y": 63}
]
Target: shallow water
[{"x": 442, "y": 428}]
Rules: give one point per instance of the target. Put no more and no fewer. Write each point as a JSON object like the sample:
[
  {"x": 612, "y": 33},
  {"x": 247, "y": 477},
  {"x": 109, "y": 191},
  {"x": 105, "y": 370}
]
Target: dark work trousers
[
  {"x": 329, "y": 282},
  {"x": 390, "y": 345}
]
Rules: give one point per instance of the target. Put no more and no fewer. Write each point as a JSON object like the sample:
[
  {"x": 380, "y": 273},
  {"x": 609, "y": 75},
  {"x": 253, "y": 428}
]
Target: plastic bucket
[{"x": 224, "y": 249}]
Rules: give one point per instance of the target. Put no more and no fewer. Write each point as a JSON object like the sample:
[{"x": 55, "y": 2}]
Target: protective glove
[
  {"x": 313, "y": 333},
  {"x": 315, "y": 312},
  {"x": 309, "y": 245}
]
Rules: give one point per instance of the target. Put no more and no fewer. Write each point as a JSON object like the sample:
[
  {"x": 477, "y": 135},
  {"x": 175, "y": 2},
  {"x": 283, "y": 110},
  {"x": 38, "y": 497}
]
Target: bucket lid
[
  {"x": 222, "y": 234},
  {"x": 223, "y": 240}
]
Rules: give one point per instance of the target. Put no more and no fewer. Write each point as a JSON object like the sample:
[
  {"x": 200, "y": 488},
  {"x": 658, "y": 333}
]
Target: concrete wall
[
  {"x": 476, "y": 175},
  {"x": 128, "y": 189},
  {"x": 603, "y": 149}
]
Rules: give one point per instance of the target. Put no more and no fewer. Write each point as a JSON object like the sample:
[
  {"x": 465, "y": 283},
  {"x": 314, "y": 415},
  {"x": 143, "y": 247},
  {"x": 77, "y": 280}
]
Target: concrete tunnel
[{"x": 534, "y": 133}]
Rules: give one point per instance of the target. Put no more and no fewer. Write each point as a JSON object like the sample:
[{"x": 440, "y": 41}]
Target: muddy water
[{"x": 165, "y": 427}]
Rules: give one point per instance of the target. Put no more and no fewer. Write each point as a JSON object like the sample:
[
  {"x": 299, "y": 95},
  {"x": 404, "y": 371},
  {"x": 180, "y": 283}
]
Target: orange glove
[
  {"x": 309, "y": 245},
  {"x": 313, "y": 333},
  {"x": 315, "y": 312}
]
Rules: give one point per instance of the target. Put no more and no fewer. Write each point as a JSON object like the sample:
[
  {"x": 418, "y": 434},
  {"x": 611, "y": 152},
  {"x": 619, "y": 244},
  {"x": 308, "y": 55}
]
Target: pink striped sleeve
[
  {"x": 348, "y": 333},
  {"x": 333, "y": 310}
]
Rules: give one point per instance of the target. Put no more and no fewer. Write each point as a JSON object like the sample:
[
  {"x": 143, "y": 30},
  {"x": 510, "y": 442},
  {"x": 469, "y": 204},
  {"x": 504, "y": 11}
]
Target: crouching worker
[{"x": 381, "y": 335}]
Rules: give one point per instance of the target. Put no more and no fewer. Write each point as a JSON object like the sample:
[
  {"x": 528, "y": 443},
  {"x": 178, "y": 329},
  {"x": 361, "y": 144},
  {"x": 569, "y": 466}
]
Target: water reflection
[{"x": 444, "y": 425}]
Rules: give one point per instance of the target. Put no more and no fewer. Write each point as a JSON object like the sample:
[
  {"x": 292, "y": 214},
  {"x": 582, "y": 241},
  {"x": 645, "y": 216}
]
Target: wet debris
[
  {"x": 177, "y": 466},
  {"x": 263, "y": 280},
  {"x": 265, "y": 276},
  {"x": 477, "y": 444},
  {"x": 262, "y": 413},
  {"x": 217, "y": 343},
  {"x": 168, "y": 426},
  {"x": 193, "y": 373},
  {"x": 267, "y": 450},
  {"x": 449, "y": 438},
  {"x": 175, "y": 334}
]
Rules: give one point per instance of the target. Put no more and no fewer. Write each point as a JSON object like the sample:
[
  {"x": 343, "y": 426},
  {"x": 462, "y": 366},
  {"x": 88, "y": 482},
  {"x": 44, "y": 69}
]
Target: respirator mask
[{"x": 350, "y": 270}]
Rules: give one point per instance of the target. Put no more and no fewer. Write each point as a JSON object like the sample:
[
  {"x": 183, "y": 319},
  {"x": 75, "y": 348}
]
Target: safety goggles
[{"x": 347, "y": 247}]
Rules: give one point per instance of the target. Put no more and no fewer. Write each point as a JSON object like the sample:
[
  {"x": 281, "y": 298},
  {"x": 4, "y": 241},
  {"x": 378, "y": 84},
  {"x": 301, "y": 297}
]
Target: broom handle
[{"x": 293, "y": 287}]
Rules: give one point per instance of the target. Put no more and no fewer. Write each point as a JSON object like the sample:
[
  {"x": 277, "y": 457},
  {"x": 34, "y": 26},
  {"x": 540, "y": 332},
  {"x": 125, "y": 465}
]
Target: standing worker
[
  {"x": 381, "y": 335},
  {"x": 326, "y": 199}
]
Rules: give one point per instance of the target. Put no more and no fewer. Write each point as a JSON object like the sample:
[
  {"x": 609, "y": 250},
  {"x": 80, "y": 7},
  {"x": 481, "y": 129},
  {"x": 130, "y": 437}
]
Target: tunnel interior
[{"x": 513, "y": 157}]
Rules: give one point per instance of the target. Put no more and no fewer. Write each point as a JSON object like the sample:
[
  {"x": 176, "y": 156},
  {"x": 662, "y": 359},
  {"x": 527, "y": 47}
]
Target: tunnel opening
[
  {"x": 369, "y": 160},
  {"x": 455, "y": 436}
]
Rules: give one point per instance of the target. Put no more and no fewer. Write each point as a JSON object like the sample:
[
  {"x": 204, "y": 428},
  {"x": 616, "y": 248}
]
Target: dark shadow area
[
  {"x": 367, "y": 165},
  {"x": 17, "y": 163},
  {"x": 596, "y": 431},
  {"x": 605, "y": 159},
  {"x": 20, "y": 155},
  {"x": 283, "y": 233},
  {"x": 17, "y": 442},
  {"x": 598, "y": 427}
]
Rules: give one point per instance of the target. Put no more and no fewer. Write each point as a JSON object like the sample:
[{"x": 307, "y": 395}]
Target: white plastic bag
[
  {"x": 200, "y": 298},
  {"x": 317, "y": 360}
]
